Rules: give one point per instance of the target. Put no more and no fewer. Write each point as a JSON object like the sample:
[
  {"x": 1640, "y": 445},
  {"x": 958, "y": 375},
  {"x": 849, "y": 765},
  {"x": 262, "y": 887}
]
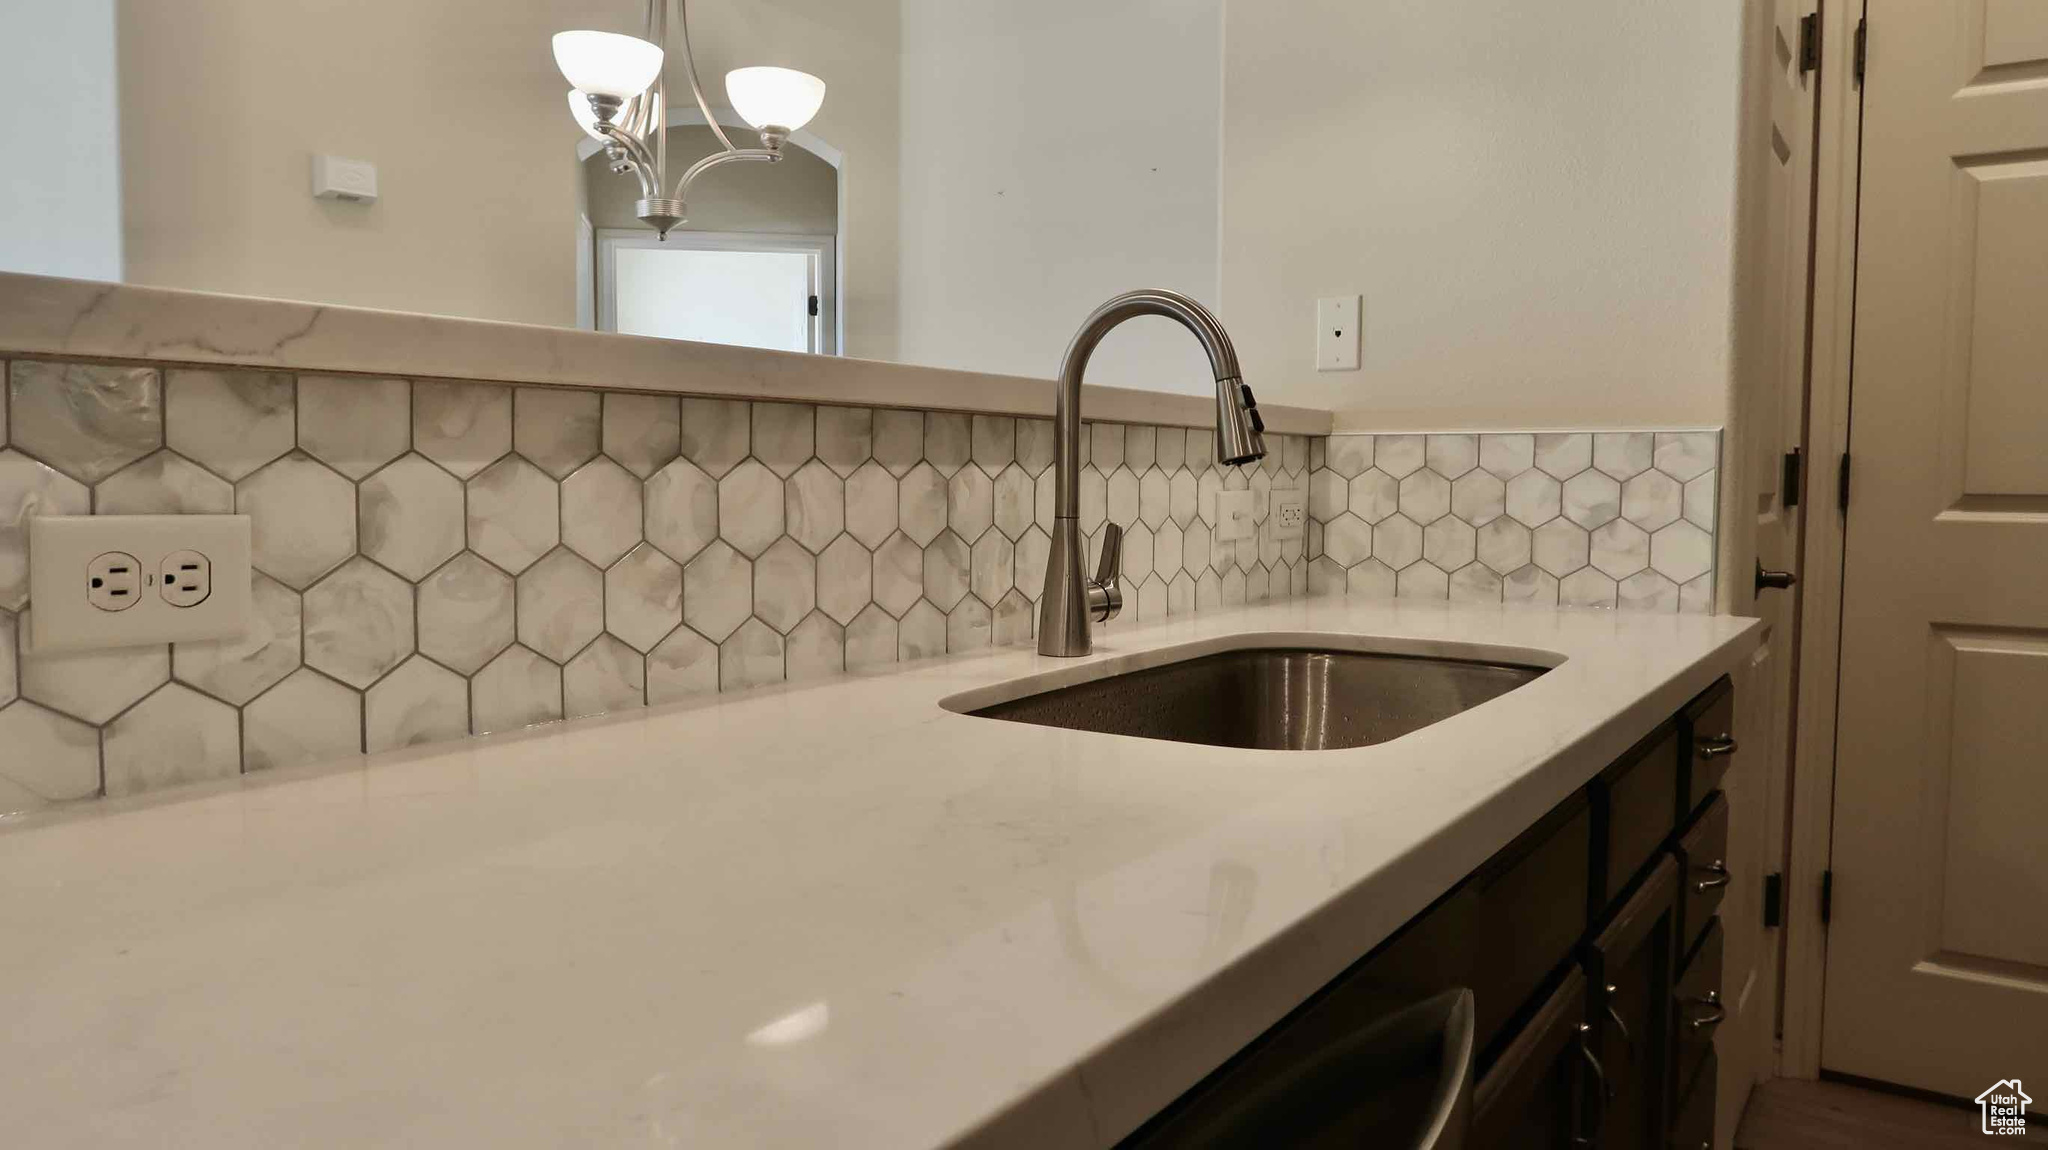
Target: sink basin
[{"x": 1272, "y": 699}]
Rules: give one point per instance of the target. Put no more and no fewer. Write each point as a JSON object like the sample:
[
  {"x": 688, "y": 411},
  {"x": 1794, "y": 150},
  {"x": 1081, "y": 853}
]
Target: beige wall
[
  {"x": 1535, "y": 200},
  {"x": 797, "y": 195}
]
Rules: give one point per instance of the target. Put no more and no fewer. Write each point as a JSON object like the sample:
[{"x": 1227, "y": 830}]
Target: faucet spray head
[{"x": 1240, "y": 433}]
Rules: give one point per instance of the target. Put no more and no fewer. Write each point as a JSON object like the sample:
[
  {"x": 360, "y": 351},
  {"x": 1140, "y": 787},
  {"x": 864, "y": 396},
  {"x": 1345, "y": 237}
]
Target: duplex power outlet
[
  {"x": 1290, "y": 514},
  {"x": 99, "y": 581}
]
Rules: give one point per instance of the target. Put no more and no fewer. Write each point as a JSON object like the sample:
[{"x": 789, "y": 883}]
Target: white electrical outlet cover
[
  {"x": 1337, "y": 333},
  {"x": 1234, "y": 516},
  {"x": 1290, "y": 514},
  {"x": 63, "y": 551}
]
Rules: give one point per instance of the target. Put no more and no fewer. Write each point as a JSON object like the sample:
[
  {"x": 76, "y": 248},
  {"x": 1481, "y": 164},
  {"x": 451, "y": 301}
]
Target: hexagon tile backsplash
[{"x": 436, "y": 559}]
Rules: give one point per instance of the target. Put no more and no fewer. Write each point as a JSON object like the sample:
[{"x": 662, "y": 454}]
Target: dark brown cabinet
[
  {"x": 1535, "y": 1093},
  {"x": 1629, "y": 966}
]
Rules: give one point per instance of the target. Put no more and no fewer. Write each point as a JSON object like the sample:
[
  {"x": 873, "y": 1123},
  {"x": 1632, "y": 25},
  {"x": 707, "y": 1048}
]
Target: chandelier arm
[
  {"x": 638, "y": 155},
  {"x": 716, "y": 158},
  {"x": 690, "y": 74}
]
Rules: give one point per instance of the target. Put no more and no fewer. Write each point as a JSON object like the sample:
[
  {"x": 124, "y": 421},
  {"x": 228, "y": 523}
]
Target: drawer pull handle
[
  {"x": 1714, "y": 746},
  {"x": 1717, "y": 872},
  {"x": 1614, "y": 1016},
  {"x": 1592, "y": 1136},
  {"x": 1712, "y": 1000}
]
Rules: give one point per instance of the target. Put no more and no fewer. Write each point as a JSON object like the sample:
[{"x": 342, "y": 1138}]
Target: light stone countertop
[{"x": 825, "y": 915}]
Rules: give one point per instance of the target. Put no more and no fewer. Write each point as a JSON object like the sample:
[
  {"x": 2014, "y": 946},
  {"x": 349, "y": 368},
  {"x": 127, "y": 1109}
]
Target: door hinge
[
  {"x": 1809, "y": 42},
  {"x": 814, "y": 305},
  {"x": 1842, "y": 485},
  {"x": 1862, "y": 48},
  {"x": 1774, "y": 896},
  {"x": 1827, "y": 897},
  {"x": 1792, "y": 477}
]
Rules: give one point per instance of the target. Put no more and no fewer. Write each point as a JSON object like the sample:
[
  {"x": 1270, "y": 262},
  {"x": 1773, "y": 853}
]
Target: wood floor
[{"x": 1789, "y": 1114}]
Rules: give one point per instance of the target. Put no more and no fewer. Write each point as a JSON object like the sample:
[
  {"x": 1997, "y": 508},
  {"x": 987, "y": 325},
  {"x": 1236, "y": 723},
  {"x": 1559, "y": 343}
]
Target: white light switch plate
[
  {"x": 198, "y": 560},
  {"x": 1234, "y": 516},
  {"x": 1290, "y": 513},
  {"x": 1337, "y": 333}
]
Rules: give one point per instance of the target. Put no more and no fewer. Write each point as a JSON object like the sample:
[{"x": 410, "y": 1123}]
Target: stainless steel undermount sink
[{"x": 1272, "y": 698}]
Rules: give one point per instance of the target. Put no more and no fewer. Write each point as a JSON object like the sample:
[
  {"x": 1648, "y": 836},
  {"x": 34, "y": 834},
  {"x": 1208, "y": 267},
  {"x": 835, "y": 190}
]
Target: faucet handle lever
[{"x": 1105, "y": 591}]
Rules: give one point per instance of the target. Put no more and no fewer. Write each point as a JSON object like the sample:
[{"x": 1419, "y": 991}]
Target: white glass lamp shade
[
  {"x": 774, "y": 97},
  {"x": 579, "y": 107},
  {"x": 606, "y": 63}
]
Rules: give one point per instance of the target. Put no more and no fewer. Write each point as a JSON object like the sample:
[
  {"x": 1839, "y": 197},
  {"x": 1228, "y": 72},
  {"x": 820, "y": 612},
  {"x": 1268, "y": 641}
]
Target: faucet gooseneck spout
[{"x": 1069, "y": 603}]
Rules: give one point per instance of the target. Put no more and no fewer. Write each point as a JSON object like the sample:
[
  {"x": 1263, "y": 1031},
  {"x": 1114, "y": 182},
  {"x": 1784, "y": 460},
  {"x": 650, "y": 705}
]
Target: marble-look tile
[
  {"x": 684, "y": 665},
  {"x": 1170, "y": 449},
  {"x": 1451, "y": 455},
  {"x": 1531, "y": 585},
  {"x": 1208, "y": 591},
  {"x": 1685, "y": 455},
  {"x": 643, "y": 597},
  {"x": 948, "y": 441},
  {"x": 750, "y": 508},
  {"x": 560, "y": 601},
  {"x": 464, "y": 427},
  {"x": 1682, "y": 552},
  {"x": 417, "y": 703},
  {"x": 1374, "y": 495},
  {"x": 1623, "y": 454},
  {"x": 1167, "y": 550},
  {"x": 231, "y": 422},
  {"x": 846, "y": 437},
  {"x": 514, "y": 514},
  {"x": 1206, "y": 488},
  {"x": 1591, "y": 498},
  {"x": 1257, "y": 584},
  {"x": 922, "y": 632},
  {"x": 1348, "y": 540},
  {"x": 1702, "y": 500},
  {"x": 175, "y": 736},
  {"x": 10, "y": 683},
  {"x": 946, "y": 564},
  {"x": 871, "y": 498},
  {"x": 1478, "y": 497},
  {"x": 85, "y": 420},
  {"x": 1183, "y": 499},
  {"x": 410, "y": 517},
  {"x": 1425, "y": 497},
  {"x": 1652, "y": 500},
  {"x": 1371, "y": 579},
  {"x": 1398, "y": 455},
  {"x": 718, "y": 591},
  {"x": 1559, "y": 547},
  {"x": 1620, "y": 548},
  {"x": 465, "y": 614},
  {"x": 1449, "y": 543},
  {"x": 354, "y": 425},
  {"x": 517, "y": 689},
  {"x": 814, "y": 510},
  {"x": 239, "y": 669},
  {"x": 899, "y": 440},
  {"x": 1318, "y": 453},
  {"x": 921, "y": 504},
  {"x": 785, "y": 585},
  {"x": 1035, "y": 447},
  {"x": 604, "y": 677},
  {"x": 1503, "y": 545},
  {"x": 1141, "y": 448},
  {"x": 308, "y": 718},
  {"x": 1014, "y": 616},
  {"x": 1507, "y": 454},
  {"x": 51, "y": 759},
  {"x": 715, "y": 434},
  {"x": 970, "y": 626},
  {"x": 1315, "y": 540},
  {"x": 1422, "y": 580},
  {"x": 1106, "y": 446},
  {"x": 641, "y": 432},
  {"x": 1349, "y": 455},
  {"x": 845, "y": 579},
  {"x": 899, "y": 573},
  {"x": 1180, "y": 595},
  {"x": 359, "y": 623},
  {"x": 1696, "y": 596},
  {"x": 1155, "y": 496},
  {"x": 1013, "y": 499},
  {"x": 1042, "y": 500},
  {"x": 164, "y": 483},
  {"x": 1327, "y": 495},
  {"x": 682, "y": 510},
  {"x": 1647, "y": 591},
  {"x": 752, "y": 657},
  {"x": 29, "y": 489},
  {"x": 970, "y": 502},
  {"x": 994, "y": 442},
  {"x": 302, "y": 519},
  {"x": 601, "y": 512},
  {"x": 871, "y": 639},
  {"x": 1396, "y": 541},
  {"x": 90, "y": 685},
  {"x": 1137, "y": 555},
  {"x": 1197, "y": 549},
  {"x": 556, "y": 429},
  {"x": 1122, "y": 497},
  {"x": 1586, "y": 587},
  {"x": 992, "y": 566},
  {"x": 785, "y": 435},
  {"x": 1534, "y": 498},
  {"x": 1201, "y": 449},
  {"x": 1475, "y": 583},
  {"x": 816, "y": 649},
  {"x": 1562, "y": 455},
  {"x": 1033, "y": 551}
]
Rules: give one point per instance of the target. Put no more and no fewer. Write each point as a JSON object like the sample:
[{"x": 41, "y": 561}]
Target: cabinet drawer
[
  {"x": 1698, "y": 1007},
  {"x": 1636, "y": 808},
  {"x": 1702, "y": 860},
  {"x": 1708, "y": 727},
  {"x": 1693, "y": 1127}
]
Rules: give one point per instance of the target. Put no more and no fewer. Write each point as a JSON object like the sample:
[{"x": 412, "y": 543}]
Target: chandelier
[{"x": 617, "y": 99}]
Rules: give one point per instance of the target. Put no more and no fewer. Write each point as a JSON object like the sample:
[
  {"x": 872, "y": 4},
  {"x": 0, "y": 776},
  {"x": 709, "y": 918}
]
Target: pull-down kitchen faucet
[{"x": 1069, "y": 602}]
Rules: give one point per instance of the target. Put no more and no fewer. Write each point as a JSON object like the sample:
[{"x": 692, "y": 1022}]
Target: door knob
[{"x": 1768, "y": 580}]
